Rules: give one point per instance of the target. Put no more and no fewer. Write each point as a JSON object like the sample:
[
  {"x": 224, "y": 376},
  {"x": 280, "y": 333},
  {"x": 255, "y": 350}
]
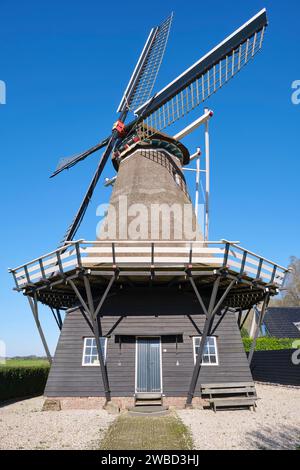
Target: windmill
[
  {"x": 140, "y": 279},
  {"x": 155, "y": 113}
]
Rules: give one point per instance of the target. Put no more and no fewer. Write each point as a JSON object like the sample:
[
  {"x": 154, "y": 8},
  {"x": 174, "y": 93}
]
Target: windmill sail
[
  {"x": 68, "y": 162},
  {"x": 142, "y": 81},
  {"x": 205, "y": 77},
  {"x": 139, "y": 87}
]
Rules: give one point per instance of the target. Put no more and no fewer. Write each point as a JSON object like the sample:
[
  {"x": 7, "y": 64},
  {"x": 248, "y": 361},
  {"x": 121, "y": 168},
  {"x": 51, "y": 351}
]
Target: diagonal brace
[
  {"x": 35, "y": 311},
  {"x": 259, "y": 323},
  {"x": 94, "y": 315},
  {"x": 210, "y": 313}
]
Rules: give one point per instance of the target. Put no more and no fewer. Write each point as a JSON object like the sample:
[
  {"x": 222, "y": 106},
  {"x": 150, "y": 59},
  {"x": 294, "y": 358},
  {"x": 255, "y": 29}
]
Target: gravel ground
[
  {"x": 24, "y": 426},
  {"x": 275, "y": 425}
]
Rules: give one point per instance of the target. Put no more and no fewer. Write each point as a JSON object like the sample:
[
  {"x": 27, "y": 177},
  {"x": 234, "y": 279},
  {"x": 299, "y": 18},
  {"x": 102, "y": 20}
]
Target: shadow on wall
[{"x": 270, "y": 438}]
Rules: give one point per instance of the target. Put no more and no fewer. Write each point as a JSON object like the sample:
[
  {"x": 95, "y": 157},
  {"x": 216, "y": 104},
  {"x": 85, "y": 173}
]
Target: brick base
[{"x": 122, "y": 403}]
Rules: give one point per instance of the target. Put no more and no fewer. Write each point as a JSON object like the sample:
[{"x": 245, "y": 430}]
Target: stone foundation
[{"x": 117, "y": 403}]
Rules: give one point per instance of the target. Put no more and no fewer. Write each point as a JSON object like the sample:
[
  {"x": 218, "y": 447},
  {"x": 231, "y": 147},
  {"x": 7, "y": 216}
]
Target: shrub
[
  {"x": 268, "y": 344},
  {"x": 244, "y": 333},
  {"x": 19, "y": 382}
]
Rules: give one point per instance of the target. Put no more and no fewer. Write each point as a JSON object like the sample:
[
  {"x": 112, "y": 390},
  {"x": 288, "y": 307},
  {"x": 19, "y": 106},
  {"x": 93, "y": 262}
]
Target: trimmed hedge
[
  {"x": 268, "y": 344},
  {"x": 19, "y": 382}
]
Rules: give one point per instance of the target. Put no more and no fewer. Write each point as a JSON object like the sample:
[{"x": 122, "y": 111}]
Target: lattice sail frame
[
  {"x": 144, "y": 76},
  {"x": 195, "y": 93}
]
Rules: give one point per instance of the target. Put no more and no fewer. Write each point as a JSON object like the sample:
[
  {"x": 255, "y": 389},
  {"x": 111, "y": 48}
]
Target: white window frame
[
  {"x": 97, "y": 364},
  {"x": 210, "y": 364}
]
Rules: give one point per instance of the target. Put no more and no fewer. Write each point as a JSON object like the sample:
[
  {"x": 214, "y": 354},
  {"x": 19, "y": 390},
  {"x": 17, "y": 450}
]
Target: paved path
[{"x": 147, "y": 433}]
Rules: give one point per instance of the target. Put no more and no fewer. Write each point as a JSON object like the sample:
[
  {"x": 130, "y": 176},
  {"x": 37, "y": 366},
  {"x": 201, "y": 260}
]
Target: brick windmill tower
[{"x": 153, "y": 309}]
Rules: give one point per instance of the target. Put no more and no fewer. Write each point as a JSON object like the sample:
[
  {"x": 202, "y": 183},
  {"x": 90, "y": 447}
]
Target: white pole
[
  {"x": 197, "y": 186},
  {"x": 207, "y": 178}
]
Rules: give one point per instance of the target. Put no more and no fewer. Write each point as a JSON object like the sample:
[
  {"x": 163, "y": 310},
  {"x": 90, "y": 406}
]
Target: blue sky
[{"x": 66, "y": 64}]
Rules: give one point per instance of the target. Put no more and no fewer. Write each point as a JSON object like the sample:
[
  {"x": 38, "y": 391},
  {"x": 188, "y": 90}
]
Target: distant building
[{"x": 282, "y": 322}]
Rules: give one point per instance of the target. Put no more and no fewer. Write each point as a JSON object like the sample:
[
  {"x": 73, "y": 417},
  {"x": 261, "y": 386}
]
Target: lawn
[
  {"x": 25, "y": 363},
  {"x": 147, "y": 433}
]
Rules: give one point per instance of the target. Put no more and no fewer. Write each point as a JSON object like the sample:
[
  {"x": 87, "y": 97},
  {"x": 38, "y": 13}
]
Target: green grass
[
  {"x": 147, "y": 433},
  {"x": 25, "y": 363}
]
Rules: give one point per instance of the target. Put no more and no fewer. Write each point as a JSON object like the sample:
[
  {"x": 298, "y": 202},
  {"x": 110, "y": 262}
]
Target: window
[
  {"x": 90, "y": 353},
  {"x": 210, "y": 353}
]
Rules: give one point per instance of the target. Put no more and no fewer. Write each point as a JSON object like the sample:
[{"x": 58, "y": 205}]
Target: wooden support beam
[
  {"x": 114, "y": 326},
  {"x": 95, "y": 319},
  {"x": 259, "y": 323},
  {"x": 220, "y": 320},
  {"x": 195, "y": 325},
  {"x": 240, "y": 318},
  {"x": 245, "y": 318},
  {"x": 210, "y": 314},
  {"x": 207, "y": 325},
  {"x": 59, "y": 318},
  {"x": 55, "y": 318},
  {"x": 34, "y": 308}
]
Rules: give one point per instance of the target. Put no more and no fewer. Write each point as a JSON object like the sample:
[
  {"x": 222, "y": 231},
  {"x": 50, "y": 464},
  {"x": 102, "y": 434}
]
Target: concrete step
[
  {"x": 148, "y": 402},
  {"x": 153, "y": 410},
  {"x": 147, "y": 396}
]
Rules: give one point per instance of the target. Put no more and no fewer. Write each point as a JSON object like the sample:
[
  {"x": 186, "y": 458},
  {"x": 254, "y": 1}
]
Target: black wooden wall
[
  {"x": 276, "y": 367},
  {"x": 69, "y": 378}
]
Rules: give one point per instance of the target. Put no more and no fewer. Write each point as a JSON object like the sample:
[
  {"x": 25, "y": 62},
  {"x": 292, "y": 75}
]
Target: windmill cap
[{"x": 155, "y": 135}]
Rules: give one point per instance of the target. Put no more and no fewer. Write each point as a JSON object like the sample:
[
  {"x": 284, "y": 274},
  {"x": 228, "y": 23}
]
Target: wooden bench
[{"x": 230, "y": 395}]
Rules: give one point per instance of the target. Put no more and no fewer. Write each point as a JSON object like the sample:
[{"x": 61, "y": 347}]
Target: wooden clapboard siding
[
  {"x": 276, "y": 367},
  {"x": 69, "y": 378}
]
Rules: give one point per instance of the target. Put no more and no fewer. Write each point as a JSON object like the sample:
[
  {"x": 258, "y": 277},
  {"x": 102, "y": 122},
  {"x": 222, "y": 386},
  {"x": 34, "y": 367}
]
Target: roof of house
[{"x": 280, "y": 322}]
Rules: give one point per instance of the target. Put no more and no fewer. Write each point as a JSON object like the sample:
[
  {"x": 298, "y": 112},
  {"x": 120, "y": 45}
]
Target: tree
[{"x": 290, "y": 296}]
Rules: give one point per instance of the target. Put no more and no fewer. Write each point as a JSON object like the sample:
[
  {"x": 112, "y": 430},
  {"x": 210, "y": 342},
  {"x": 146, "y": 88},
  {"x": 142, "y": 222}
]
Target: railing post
[
  {"x": 226, "y": 253},
  {"x": 259, "y": 268},
  {"x": 61, "y": 269},
  {"x": 42, "y": 268},
  {"x": 78, "y": 254},
  {"x": 243, "y": 263},
  {"x": 191, "y": 254},
  {"x": 27, "y": 274},
  {"x": 152, "y": 254},
  {"x": 113, "y": 248},
  {"x": 273, "y": 274},
  {"x": 15, "y": 277}
]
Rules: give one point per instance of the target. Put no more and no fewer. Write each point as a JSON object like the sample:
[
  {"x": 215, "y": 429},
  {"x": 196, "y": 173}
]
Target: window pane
[
  {"x": 90, "y": 352},
  {"x": 209, "y": 352}
]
